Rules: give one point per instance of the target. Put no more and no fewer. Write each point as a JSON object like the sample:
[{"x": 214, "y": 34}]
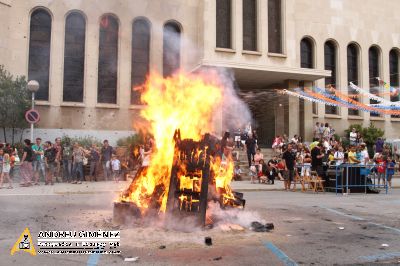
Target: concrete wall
[{"x": 366, "y": 22}]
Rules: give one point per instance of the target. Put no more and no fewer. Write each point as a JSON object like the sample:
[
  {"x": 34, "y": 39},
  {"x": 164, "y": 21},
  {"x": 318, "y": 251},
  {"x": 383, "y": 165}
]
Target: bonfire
[{"x": 187, "y": 167}]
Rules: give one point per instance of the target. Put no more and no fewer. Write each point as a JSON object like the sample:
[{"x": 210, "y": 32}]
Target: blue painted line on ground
[
  {"x": 361, "y": 219},
  {"x": 381, "y": 256},
  {"x": 93, "y": 259},
  {"x": 386, "y": 227},
  {"x": 280, "y": 254},
  {"x": 343, "y": 214}
]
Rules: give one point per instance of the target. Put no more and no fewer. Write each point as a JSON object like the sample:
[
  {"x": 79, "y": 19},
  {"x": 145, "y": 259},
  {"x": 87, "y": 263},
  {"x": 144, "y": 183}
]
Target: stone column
[{"x": 292, "y": 111}]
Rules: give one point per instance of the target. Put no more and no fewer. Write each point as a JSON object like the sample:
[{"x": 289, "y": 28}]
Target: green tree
[
  {"x": 14, "y": 102},
  {"x": 369, "y": 134}
]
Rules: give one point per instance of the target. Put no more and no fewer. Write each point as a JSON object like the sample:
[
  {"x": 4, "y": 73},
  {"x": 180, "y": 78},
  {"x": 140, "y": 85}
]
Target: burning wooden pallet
[{"x": 198, "y": 176}]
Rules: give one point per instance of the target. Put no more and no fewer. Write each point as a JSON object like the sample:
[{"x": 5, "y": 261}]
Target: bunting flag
[
  {"x": 368, "y": 94},
  {"x": 342, "y": 97},
  {"x": 394, "y": 92},
  {"x": 336, "y": 98}
]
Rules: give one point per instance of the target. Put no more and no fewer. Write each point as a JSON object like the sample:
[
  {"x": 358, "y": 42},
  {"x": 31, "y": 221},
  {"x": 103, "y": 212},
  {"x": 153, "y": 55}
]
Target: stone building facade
[{"x": 87, "y": 55}]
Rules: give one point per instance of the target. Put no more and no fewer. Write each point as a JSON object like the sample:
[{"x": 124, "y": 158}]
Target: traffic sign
[{"x": 32, "y": 116}]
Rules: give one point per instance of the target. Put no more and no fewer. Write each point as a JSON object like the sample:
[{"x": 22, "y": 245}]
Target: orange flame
[{"x": 183, "y": 101}]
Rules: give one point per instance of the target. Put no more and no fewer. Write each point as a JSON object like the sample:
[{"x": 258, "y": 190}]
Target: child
[
  {"x": 237, "y": 173},
  {"x": 116, "y": 167},
  {"x": 6, "y": 171},
  {"x": 390, "y": 171},
  {"x": 253, "y": 172}
]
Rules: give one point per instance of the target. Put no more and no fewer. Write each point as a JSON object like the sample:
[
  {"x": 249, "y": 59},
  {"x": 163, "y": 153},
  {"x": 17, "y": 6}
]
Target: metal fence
[{"x": 360, "y": 177}]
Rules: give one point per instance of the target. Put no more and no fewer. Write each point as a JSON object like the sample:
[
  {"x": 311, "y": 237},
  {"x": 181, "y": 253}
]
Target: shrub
[
  {"x": 85, "y": 141},
  {"x": 133, "y": 140}
]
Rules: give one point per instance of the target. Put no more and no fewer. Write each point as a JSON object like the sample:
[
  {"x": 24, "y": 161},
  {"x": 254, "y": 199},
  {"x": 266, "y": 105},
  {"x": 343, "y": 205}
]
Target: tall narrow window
[
  {"x": 352, "y": 73},
  {"x": 250, "y": 25},
  {"x": 306, "y": 53},
  {"x": 171, "y": 48},
  {"x": 330, "y": 64},
  {"x": 74, "y": 58},
  {"x": 223, "y": 23},
  {"x": 394, "y": 76},
  {"x": 140, "y": 56},
  {"x": 373, "y": 61},
  {"x": 39, "y": 51},
  {"x": 108, "y": 60},
  {"x": 275, "y": 26}
]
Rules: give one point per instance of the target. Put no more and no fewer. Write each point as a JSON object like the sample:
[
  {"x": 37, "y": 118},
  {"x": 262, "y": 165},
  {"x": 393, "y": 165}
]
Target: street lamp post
[{"x": 33, "y": 87}]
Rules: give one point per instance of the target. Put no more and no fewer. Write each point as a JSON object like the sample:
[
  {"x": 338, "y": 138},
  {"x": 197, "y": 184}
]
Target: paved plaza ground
[{"x": 307, "y": 228}]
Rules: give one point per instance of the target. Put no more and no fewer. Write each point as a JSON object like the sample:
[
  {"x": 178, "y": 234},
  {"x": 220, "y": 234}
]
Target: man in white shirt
[
  {"x": 353, "y": 137},
  {"x": 339, "y": 156}
]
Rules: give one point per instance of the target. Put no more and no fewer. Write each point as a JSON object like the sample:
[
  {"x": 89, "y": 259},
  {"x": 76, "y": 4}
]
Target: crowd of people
[
  {"x": 295, "y": 159},
  {"x": 60, "y": 162}
]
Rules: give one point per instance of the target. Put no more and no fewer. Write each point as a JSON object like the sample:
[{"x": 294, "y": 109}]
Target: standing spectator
[
  {"x": 353, "y": 137},
  {"x": 58, "y": 147},
  {"x": 94, "y": 160},
  {"x": 316, "y": 159},
  {"x": 321, "y": 130},
  {"x": 106, "y": 153},
  {"x": 5, "y": 172},
  {"x": 338, "y": 156},
  {"x": 257, "y": 157},
  {"x": 116, "y": 168},
  {"x": 253, "y": 173},
  {"x": 380, "y": 169},
  {"x": 359, "y": 138},
  {"x": 237, "y": 138},
  {"x": 224, "y": 143},
  {"x": 250, "y": 149},
  {"x": 352, "y": 156},
  {"x": 67, "y": 160},
  {"x": 289, "y": 161},
  {"x": 12, "y": 162},
  {"x": 316, "y": 134},
  {"x": 364, "y": 154},
  {"x": 327, "y": 132},
  {"x": 390, "y": 170},
  {"x": 1, "y": 160},
  {"x": 50, "y": 155},
  {"x": 273, "y": 170},
  {"x": 26, "y": 164},
  {"x": 38, "y": 160},
  {"x": 78, "y": 153}
]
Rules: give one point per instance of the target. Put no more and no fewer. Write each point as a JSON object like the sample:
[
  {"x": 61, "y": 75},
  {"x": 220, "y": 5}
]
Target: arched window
[
  {"x": 108, "y": 60},
  {"x": 394, "y": 71},
  {"x": 140, "y": 56},
  {"x": 373, "y": 61},
  {"x": 330, "y": 64},
  {"x": 171, "y": 48},
  {"x": 275, "y": 26},
  {"x": 39, "y": 51},
  {"x": 394, "y": 75},
  {"x": 352, "y": 72},
  {"x": 223, "y": 23},
  {"x": 250, "y": 25},
  {"x": 74, "y": 58},
  {"x": 306, "y": 53}
]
